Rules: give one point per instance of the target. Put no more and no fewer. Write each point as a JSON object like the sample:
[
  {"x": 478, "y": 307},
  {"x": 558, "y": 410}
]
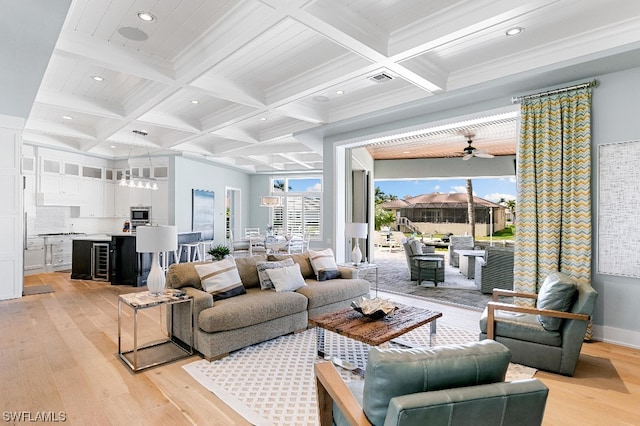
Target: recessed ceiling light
[
  {"x": 67, "y": 117},
  {"x": 195, "y": 101},
  {"x": 320, "y": 98},
  {"x": 406, "y": 152},
  {"x": 263, "y": 118},
  {"x": 112, "y": 147},
  {"x": 339, "y": 92},
  {"x": 97, "y": 78},
  {"x": 146, "y": 16},
  {"x": 514, "y": 31}
]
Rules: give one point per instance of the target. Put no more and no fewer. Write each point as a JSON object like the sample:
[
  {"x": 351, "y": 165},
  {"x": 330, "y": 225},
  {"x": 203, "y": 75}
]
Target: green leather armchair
[
  {"x": 446, "y": 385},
  {"x": 522, "y": 328}
]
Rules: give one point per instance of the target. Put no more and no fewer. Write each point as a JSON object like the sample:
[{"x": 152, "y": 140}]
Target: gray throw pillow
[
  {"x": 262, "y": 267},
  {"x": 416, "y": 247},
  {"x": 557, "y": 293}
]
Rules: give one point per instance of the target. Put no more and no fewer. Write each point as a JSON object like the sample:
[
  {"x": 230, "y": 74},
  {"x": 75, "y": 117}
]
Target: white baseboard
[{"x": 617, "y": 336}]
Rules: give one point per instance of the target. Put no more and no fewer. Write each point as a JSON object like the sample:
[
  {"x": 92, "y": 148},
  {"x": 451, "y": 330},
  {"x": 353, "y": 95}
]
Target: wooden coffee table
[{"x": 349, "y": 323}]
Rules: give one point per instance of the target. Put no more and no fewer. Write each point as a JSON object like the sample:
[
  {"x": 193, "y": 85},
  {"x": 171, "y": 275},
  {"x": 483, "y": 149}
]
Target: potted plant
[{"x": 219, "y": 252}]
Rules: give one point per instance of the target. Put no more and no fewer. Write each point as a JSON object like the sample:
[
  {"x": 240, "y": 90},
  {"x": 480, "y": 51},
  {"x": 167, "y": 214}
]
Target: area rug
[
  {"x": 393, "y": 277},
  {"x": 37, "y": 289},
  {"x": 272, "y": 383}
]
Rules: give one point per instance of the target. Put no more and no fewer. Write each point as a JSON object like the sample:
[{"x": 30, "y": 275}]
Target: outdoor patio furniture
[
  {"x": 385, "y": 240},
  {"x": 495, "y": 270},
  {"x": 412, "y": 248},
  {"x": 458, "y": 242}
]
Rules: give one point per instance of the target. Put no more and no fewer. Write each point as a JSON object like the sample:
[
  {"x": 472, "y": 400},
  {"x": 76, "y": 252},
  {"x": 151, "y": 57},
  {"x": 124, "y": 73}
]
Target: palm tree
[
  {"x": 471, "y": 208},
  {"x": 511, "y": 205}
]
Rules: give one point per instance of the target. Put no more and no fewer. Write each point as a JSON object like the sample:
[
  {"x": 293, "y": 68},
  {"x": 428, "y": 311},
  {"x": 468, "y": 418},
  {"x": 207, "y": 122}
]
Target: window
[{"x": 300, "y": 212}]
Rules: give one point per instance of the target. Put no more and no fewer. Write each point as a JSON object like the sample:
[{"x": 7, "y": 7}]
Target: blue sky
[{"x": 492, "y": 189}]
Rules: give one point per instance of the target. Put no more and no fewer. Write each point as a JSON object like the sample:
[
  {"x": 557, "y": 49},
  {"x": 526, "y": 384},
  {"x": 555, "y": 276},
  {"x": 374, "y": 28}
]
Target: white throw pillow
[
  {"x": 263, "y": 266},
  {"x": 322, "y": 260},
  {"x": 288, "y": 278},
  {"x": 220, "y": 278}
]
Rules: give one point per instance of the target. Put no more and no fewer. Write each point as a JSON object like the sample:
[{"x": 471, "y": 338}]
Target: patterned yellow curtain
[{"x": 554, "y": 189}]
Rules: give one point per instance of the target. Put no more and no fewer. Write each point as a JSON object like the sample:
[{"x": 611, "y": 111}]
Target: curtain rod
[{"x": 592, "y": 83}]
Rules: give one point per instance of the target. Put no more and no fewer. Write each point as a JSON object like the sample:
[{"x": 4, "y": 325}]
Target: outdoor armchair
[
  {"x": 495, "y": 270},
  {"x": 460, "y": 242}
]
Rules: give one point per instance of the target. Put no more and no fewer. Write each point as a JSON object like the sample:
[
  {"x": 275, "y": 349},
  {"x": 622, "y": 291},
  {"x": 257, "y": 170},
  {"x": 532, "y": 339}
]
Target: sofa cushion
[
  {"x": 287, "y": 278},
  {"x": 262, "y": 266},
  {"x": 184, "y": 275},
  {"x": 254, "y": 307},
  {"x": 394, "y": 372},
  {"x": 323, "y": 260},
  {"x": 220, "y": 279},
  {"x": 338, "y": 290},
  {"x": 301, "y": 259},
  {"x": 248, "y": 270},
  {"x": 558, "y": 292},
  {"x": 416, "y": 247}
]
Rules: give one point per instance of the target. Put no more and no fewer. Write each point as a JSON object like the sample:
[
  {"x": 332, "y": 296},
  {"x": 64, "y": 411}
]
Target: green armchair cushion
[
  {"x": 394, "y": 372},
  {"x": 558, "y": 293}
]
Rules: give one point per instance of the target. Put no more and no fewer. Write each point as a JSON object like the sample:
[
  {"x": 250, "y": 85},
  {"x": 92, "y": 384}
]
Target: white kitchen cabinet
[
  {"x": 34, "y": 256},
  {"x": 59, "y": 183},
  {"x": 58, "y": 252},
  {"x": 160, "y": 204},
  {"x": 122, "y": 203},
  {"x": 93, "y": 193},
  {"x": 109, "y": 199},
  {"x": 140, "y": 196}
]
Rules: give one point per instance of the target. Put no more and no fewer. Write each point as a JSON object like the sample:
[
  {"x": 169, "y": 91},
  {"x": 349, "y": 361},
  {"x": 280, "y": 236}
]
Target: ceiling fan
[{"x": 471, "y": 151}]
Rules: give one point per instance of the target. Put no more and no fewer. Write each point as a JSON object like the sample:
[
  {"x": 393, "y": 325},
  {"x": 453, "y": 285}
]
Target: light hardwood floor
[{"x": 58, "y": 354}]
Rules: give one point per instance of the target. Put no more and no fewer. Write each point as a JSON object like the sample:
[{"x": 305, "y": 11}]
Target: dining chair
[{"x": 251, "y": 232}]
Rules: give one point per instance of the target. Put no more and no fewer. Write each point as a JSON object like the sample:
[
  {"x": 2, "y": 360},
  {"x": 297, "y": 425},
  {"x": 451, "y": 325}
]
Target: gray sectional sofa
[{"x": 258, "y": 315}]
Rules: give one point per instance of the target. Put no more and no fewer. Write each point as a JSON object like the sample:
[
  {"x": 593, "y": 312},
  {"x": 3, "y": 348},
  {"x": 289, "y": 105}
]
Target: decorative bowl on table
[{"x": 374, "y": 308}]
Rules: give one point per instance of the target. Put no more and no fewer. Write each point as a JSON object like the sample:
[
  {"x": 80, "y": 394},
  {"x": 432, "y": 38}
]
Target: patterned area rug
[
  {"x": 272, "y": 383},
  {"x": 393, "y": 277}
]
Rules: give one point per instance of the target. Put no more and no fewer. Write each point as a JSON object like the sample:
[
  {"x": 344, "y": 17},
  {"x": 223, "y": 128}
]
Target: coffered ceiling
[{"x": 236, "y": 81}]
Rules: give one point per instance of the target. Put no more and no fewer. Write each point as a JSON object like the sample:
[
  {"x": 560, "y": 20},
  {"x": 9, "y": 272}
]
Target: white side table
[
  {"x": 155, "y": 353},
  {"x": 362, "y": 267}
]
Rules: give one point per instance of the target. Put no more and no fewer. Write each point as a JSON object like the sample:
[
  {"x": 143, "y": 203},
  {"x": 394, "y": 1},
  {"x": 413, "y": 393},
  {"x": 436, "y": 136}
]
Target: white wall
[
  {"x": 188, "y": 174},
  {"x": 615, "y": 119}
]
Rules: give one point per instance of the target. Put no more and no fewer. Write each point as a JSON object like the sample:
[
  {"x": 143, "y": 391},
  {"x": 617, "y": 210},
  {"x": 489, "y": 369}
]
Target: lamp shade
[
  {"x": 270, "y": 201},
  {"x": 153, "y": 239},
  {"x": 356, "y": 230}
]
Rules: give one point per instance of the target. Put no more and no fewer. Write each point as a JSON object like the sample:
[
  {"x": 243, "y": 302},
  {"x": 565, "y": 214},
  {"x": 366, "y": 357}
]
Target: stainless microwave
[{"x": 140, "y": 215}]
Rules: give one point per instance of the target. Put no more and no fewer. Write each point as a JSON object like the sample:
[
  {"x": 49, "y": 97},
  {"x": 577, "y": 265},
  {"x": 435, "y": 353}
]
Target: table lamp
[
  {"x": 156, "y": 239},
  {"x": 357, "y": 231}
]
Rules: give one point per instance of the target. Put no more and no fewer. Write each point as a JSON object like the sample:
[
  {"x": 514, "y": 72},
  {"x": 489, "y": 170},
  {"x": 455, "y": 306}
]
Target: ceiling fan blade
[
  {"x": 483, "y": 154},
  {"x": 467, "y": 156}
]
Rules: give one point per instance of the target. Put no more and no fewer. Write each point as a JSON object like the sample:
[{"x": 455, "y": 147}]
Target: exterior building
[{"x": 438, "y": 213}]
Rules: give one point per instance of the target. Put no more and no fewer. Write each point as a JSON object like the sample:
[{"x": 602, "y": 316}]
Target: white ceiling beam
[
  {"x": 229, "y": 90},
  {"x": 237, "y": 134},
  {"x": 60, "y": 129},
  {"x": 170, "y": 121},
  {"x": 78, "y": 103}
]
